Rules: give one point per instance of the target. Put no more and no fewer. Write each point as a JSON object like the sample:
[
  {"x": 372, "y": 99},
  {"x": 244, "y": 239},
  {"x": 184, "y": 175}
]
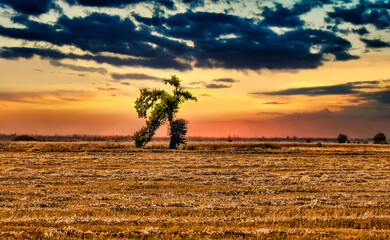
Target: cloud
[
  {"x": 217, "y": 86},
  {"x": 99, "y": 33},
  {"x": 375, "y": 43},
  {"x": 361, "y": 31},
  {"x": 273, "y": 103},
  {"x": 239, "y": 43},
  {"x": 372, "y": 91},
  {"x": 197, "y": 83},
  {"x": 46, "y": 97},
  {"x": 375, "y": 13},
  {"x": 282, "y": 17},
  {"x": 107, "y": 89},
  {"x": 379, "y": 96},
  {"x": 194, "y": 3},
  {"x": 78, "y": 68},
  {"x": 31, "y": 7},
  {"x": 225, "y": 80},
  {"x": 184, "y": 40},
  {"x": 169, "y": 4},
  {"x": 340, "y": 89},
  {"x": 23, "y": 52},
  {"x": 216, "y": 83},
  {"x": 134, "y": 76}
]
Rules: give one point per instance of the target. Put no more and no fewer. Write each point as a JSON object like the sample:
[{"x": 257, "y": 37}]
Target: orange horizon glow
[{"x": 72, "y": 107}]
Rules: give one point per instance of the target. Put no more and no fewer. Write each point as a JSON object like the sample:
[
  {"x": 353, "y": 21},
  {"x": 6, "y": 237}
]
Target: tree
[
  {"x": 163, "y": 107},
  {"x": 342, "y": 138},
  {"x": 380, "y": 138}
]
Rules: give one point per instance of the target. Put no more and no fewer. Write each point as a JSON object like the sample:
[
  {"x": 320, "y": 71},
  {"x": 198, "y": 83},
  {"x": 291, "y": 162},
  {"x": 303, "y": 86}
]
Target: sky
[{"x": 305, "y": 68}]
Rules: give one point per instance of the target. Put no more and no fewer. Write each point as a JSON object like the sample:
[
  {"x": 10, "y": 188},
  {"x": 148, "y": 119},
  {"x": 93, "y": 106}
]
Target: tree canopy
[{"x": 160, "y": 106}]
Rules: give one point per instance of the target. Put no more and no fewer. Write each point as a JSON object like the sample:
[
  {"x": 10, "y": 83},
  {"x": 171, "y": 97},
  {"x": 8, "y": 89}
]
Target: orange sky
[{"x": 57, "y": 101}]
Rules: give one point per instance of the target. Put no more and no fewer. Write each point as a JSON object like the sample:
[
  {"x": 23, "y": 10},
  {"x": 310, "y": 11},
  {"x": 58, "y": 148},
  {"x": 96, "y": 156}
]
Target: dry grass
[{"x": 204, "y": 190}]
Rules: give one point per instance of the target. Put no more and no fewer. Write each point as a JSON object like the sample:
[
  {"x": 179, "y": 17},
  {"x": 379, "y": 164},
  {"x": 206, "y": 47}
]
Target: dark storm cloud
[
  {"x": 78, "y": 68},
  {"x": 380, "y": 96},
  {"x": 119, "y": 3},
  {"x": 375, "y": 43},
  {"x": 33, "y": 7},
  {"x": 201, "y": 3},
  {"x": 282, "y": 17},
  {"x": 134, "y": 76},
  {"x": 375, "y": 13},
  {"x": 340, "y": 89},
  {"x": 99, "y": 33},
  {"x": 194, "y": 3},
  {"x": 228, "y": 41},
  {"x": 361, "y": 31},
  {"x": 15, "y": 53},
  {"x": 219, "y": 40}
]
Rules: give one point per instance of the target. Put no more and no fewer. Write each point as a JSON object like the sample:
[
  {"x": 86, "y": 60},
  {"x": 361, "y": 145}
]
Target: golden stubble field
[{"x": 205, "y": 190}]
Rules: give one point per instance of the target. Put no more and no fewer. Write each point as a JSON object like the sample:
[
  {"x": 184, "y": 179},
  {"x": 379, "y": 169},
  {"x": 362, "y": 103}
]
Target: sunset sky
[{"x": 305, "y": 68}]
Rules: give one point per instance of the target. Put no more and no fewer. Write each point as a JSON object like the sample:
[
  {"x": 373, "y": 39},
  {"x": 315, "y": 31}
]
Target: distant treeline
[{"x": 128, "y": 138}]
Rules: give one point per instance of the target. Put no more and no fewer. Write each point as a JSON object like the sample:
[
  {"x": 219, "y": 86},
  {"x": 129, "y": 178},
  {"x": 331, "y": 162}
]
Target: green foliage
[
  {"x": 342, "y": 138},
  {"x": 379, "y": 138},
  {"x": 162, "y": 106},
  {"x": 178, "y": 131}
]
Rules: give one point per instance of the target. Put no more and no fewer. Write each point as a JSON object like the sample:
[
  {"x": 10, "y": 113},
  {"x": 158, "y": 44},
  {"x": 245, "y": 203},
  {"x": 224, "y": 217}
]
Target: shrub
[
  {"x": 342, "y": 138},
  {"x": 24, "y": 138},
  {"x": 178, "y": 132},
  {"x": 379, "y": 138}
]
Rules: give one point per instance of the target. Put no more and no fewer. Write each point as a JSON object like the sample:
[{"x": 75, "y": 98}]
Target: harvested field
[{"x": 203, "y": 191}]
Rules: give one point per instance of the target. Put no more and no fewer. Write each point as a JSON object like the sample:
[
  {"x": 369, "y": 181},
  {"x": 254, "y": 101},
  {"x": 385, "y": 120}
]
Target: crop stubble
[{"x": 205, "y": 190}]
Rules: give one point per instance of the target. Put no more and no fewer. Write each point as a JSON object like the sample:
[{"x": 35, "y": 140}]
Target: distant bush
[
  {"x": 342, "y": 138},
  {"x": 24, "y": 138},
  {"x": 380, "y": 138}
]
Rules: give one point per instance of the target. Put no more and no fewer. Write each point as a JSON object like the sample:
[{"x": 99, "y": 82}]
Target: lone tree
[
  {"x": 380, "y": 138},
  {"x": 342, "y": 138},
  {"x": 163, "y": 107}
]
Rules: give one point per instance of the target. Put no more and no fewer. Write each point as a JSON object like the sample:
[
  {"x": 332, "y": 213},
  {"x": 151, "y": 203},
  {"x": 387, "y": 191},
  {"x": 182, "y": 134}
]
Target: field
[{"x": 202, "y": 191}]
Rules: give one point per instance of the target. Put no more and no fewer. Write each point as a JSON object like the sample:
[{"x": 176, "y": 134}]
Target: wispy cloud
[
  {"x": 47, "y": 97},
  {"x": 107, "y": 89},
  {"x": 134, "y": 76},
  {"x": 215, "y": 83},
  {"x": 217, "y": 86},
  {"x": 225, "y": 80},
  {"x": 376, "y": 91},
  {"x": 78, "y": 68},
  {"x": 273, "y": 103},
  {"x": 340, "y": 89},
  {"x": 375, "y": 43}
]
